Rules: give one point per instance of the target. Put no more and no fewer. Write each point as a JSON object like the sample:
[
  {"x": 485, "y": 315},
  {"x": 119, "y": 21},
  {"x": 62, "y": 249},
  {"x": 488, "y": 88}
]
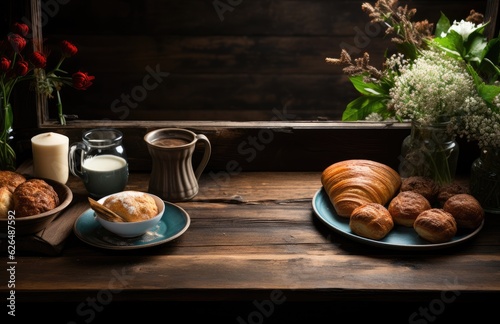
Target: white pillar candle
[{"x": 50, "y": 156}]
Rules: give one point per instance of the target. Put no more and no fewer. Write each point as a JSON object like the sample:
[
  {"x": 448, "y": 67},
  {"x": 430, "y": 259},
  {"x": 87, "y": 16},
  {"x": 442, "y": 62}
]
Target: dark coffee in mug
[{"x": 170, "y": 142}]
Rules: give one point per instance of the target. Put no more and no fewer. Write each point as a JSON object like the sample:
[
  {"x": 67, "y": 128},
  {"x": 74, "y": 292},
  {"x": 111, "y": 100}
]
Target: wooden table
[{"x": 256, "y": 253}]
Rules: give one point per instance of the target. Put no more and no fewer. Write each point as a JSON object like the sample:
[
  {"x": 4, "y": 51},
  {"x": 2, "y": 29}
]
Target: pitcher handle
[
  {"x": 75, "y": 158},
  {"x": 206, "y": 155}
]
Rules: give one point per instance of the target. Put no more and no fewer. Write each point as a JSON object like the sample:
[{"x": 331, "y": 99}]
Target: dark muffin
[
  {"x": 466, "y": 210},
  {"x": 422, "y": 185},
  {"x": 448, "y": 190},
  {"x": 33, "y": 197}
]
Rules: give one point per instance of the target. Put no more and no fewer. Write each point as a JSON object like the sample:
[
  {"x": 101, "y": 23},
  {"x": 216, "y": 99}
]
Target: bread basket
[{"x": 36, "y": 223}]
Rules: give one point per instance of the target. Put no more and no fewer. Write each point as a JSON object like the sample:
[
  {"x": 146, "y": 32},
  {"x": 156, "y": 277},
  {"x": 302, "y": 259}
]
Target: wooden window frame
[{"x": 289, "y": 145}]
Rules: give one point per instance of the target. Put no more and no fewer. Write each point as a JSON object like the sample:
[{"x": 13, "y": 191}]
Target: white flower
[
  {"x": 374, "y": 117},
  {"x": 463, "y": 28},
  {"x": 433, "y": 86}
]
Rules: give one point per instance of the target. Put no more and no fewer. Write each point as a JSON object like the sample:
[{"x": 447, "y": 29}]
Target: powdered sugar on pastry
[{"x": 133, "y": 206}]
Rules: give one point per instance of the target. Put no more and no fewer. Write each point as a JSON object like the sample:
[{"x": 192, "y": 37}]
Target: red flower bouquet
[{"x": 16, "y": 66}]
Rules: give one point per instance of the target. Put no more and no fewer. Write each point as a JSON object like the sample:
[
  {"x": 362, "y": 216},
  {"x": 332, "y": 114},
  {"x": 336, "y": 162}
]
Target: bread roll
[
  {"x": 466, "y": 210},
  {"x": 34, "y": 196},
  {"x": 371, "y": 220},
  {"x": 435, "y": 225},
  {"x": 6, "y": 201},
  {"x": 352, "y": 183},
  {"x": 422, "y": 185},
  {"x": 11, "y": 179},
  {"x": 406, "y": 206},
  {"x": 132, "y": 206}
]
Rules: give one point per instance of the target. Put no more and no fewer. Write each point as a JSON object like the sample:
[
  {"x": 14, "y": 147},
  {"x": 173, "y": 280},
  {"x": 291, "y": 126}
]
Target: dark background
[{"x": 236, "y": 64}]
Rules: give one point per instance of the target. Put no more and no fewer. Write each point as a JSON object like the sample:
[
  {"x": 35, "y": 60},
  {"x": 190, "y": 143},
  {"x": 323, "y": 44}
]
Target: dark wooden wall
[
  {"x": 264, "y": 61},
  {"x": 241, "y": 63}
]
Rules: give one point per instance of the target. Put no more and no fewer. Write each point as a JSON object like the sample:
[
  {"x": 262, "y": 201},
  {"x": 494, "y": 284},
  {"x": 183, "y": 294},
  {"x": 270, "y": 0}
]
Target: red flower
[
  {"x": 38, "y": 59},
  {"x": 68, "y": 49},
  {"x": 17, "y": 42},
  {"x": 21, "y": 68},
  {"x": 20, "y": 28},
  {"x": 81, "y": 80},
  {"x": 4, "y": 64}
]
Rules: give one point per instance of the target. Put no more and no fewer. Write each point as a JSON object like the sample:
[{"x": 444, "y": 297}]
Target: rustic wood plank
[
  {"x": 249, "y": 237},
  {"x": 261, "y": 56}
]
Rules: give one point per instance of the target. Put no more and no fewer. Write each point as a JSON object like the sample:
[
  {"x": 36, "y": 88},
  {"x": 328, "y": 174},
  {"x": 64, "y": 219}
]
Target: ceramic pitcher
[{"x": 173, "y": 176}]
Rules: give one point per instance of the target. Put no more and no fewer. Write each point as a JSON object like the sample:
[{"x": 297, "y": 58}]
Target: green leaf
[
  {"x": 442, "y": 25},
  {"x": 474, "y": 47},
  {"x": 453, "y": 43},
  {"x": 361, "y": 107},
  {"x": 366, "y": 88},
  {"x": 488, "y": 92}
]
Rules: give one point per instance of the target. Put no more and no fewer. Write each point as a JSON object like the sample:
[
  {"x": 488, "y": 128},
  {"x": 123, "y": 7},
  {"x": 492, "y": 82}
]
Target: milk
[{"x": 105, "y": 174}]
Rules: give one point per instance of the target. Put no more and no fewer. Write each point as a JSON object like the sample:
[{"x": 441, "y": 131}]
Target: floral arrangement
[
  {"x": 447, "y": 72},
  {"x": 16, "y": 66}
]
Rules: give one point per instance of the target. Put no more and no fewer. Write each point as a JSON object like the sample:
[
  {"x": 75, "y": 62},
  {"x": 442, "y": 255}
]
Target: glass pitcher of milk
[{"x": 100, "y": 160}]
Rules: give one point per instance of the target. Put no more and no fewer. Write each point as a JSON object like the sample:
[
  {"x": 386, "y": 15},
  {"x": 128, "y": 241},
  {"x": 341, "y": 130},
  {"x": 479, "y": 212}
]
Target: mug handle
[
  {"x": 206, "y": 155},
  {"x": 75, "y": 158}
]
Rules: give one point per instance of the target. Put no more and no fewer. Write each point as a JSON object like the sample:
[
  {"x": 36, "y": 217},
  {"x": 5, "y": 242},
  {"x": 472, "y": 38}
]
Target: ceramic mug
[
  {"x": 173, "y": 177},
  {"x": 100, "y": 161}
]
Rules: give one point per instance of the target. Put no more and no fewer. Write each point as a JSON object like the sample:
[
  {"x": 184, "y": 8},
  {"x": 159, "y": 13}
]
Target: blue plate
[
  {"x": 174, "y": 222},
  {"x": 400, "y": 237}
]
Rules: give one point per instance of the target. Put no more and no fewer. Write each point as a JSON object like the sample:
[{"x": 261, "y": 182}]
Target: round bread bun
[
  {"x": 132, "y": 206},
  {"x": 435, "y": 225},
  {"x": 33, "y": 197},
  {"x": 466, "y": 210},
  {"x": 6, "y": 201},
  {"x": 11, "y": 179},
  {"x": 422, "y": 185},
  {"x": 371, "y": 220},
  {"x": 449, "y": 190},
  {"x": 406, "y": 206}
]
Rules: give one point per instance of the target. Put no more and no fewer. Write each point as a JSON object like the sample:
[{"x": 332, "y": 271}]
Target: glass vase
[
  {"x": 429, "y": 151},
  {"x": 7, "y": 153},
  {"x": 485, "y": 179}
]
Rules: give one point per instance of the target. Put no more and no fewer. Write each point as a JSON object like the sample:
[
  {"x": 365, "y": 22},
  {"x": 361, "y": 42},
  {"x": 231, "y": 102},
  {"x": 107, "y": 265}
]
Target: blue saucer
[{"x": 174, "y": 222}]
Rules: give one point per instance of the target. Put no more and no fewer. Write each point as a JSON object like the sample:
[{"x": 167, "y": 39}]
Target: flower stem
[
  {"x": 7, "y": 154},
  {"x": 62, "y": 118}
]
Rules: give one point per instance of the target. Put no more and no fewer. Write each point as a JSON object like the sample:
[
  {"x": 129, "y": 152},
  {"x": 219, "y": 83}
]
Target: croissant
[{"x": 352, "y": 183}]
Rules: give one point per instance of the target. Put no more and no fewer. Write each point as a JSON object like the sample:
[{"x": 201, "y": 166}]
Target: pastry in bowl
[
  {"x": 11, "y": 179},
  {"x": 35, "y": 203},
  {"x": 129, "y": 213},
  {"x": 33, "y": 197}
]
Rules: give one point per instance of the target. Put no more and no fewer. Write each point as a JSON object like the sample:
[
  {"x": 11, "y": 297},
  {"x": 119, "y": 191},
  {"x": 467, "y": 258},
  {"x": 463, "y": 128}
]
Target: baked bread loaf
[
  {"x": 406, "y": 206},
  {"x": 6, "y": 201},
  {"x": 33, "y": 197},
  {"x": 466, "y": 210},
  {"x": 371, "y": 220},
  {"x": 11, "y": 179},
  {"x": 132, "y": 206},
  {"x": 353, "y": 183},
  {"x": 422, "y": 185},
  {"x": 435, "y": 225}
]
